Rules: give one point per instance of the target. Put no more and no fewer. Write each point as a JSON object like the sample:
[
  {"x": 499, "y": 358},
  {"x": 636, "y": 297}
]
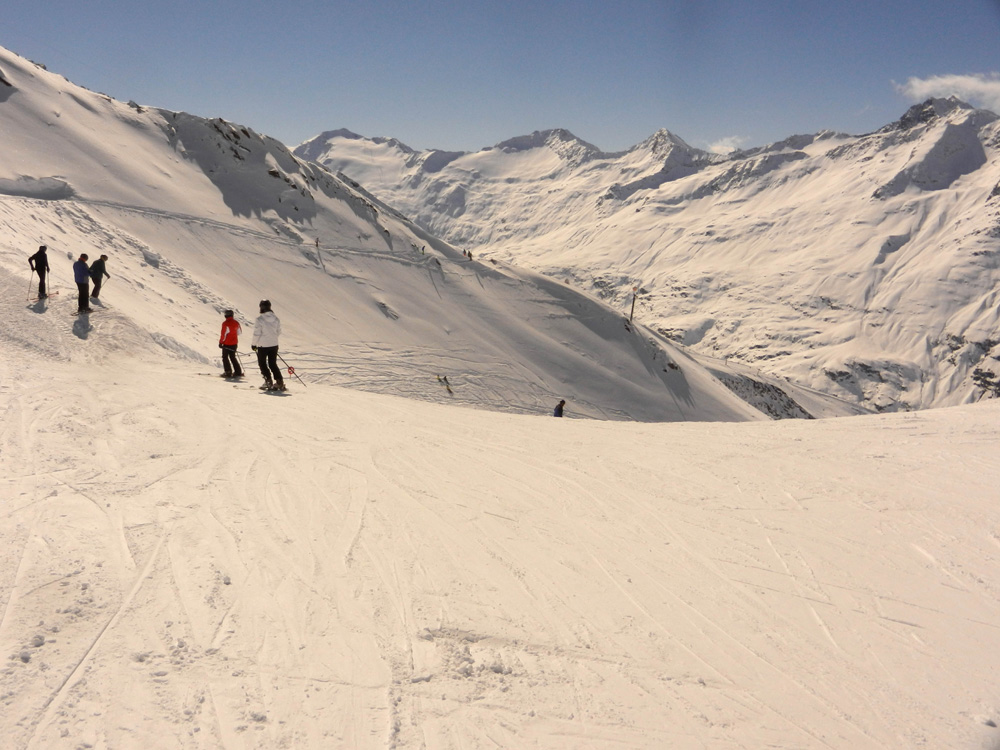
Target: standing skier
[
  {"x": 97, "y": 274},
  {"x": 81, "y": 274},
  {"x": 266, "y": 330},
  {"x": 229, "y": 339},
  {"x": 558, "y": 411},
  {"x": 39, "y": 263}
]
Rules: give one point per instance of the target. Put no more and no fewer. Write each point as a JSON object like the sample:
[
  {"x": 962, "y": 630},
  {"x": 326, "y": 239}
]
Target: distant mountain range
[{"x": 863, "y": 265}]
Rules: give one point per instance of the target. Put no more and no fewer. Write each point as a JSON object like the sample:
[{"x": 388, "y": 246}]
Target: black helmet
[
  {"x": 228, "y": 313},
  {"x": 265, "y": 305},
  {"x": 42, "y": 248}
]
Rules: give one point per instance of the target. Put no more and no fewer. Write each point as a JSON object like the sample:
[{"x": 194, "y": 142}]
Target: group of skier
[
  {"x": 83, "y": 275},
  {"x": 267, "y": 327},
  {"x": 266, "y": 330}
]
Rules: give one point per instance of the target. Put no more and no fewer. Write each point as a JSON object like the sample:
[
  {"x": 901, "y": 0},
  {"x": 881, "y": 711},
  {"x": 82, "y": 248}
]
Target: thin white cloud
[
  {"x": 980, "y": 89},
  {"x": 727, "y": 145}
]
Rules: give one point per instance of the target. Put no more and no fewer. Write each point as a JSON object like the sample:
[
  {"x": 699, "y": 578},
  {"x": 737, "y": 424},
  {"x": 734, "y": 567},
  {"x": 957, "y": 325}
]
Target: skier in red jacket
[{"x": 229, "y": 339}]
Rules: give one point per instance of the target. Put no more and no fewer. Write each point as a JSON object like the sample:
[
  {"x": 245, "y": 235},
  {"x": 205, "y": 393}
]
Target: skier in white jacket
[{"x": 266, "y": 330}]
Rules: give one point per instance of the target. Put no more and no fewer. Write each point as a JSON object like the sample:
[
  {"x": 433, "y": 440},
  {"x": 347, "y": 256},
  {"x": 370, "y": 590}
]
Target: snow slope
[
  {"x": 186, "y": 562},
  {"x": 864, "y": 266},
  {"x": 190, "y": 564}
]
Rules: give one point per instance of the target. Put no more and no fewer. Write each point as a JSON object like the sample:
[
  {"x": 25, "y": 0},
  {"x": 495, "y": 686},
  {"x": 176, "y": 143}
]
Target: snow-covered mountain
[
  {"x": 201, "y": 215},
  {"x": 189, "y": 563},
  {"x": 865, "y": 266}
]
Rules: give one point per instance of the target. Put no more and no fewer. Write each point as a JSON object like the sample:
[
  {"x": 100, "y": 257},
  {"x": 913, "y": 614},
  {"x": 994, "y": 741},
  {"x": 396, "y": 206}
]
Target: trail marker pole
[{"x": 291, "y": 370}]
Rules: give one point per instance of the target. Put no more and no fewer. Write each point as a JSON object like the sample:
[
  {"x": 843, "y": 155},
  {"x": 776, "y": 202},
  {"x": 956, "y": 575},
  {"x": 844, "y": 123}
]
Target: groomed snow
[{"x": 191, "y": 564}]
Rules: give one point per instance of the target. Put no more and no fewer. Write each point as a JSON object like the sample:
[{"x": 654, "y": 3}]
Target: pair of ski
[
  {"x": 239, "y": 384},
  {"x": 36, "y": 299},
  {"x": 272, "y": 391},
  {"x": 78, "y": 312}
]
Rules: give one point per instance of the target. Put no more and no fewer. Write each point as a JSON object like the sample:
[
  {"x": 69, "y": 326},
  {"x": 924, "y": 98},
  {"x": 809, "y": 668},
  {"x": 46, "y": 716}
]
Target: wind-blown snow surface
[
  {"x": 184, "y": 563},
  {"x": 865, "y": 266}
]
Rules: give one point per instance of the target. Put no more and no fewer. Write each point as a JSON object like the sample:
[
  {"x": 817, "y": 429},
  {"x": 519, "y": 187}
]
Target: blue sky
[{"x": 464, "y": 75}]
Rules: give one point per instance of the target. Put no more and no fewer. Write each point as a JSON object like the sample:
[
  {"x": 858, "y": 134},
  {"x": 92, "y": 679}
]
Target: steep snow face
[
  {"x": 865, "y": 266},
  {"x": 199, "y": 216}
]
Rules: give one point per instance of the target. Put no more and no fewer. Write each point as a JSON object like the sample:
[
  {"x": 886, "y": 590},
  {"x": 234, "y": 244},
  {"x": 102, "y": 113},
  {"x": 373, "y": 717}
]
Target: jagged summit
[
  {"x": 928, "y": 111},
  {"x": 662, "y": 142}
]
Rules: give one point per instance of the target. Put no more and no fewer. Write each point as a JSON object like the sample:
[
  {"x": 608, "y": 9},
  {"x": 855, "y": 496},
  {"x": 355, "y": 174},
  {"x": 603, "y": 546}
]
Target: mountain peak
[
  {"x": 662, "y": 142},
  {"x": 561, "y": 141},
  {"x": 314, "y": 148},
  {"x": 928, "y": 111}
]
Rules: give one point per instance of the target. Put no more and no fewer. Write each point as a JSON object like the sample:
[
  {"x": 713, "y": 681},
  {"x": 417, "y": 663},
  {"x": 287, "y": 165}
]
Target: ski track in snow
[
  {"x": 365, "y": 578},
  {"x": 361, "y": 575}
]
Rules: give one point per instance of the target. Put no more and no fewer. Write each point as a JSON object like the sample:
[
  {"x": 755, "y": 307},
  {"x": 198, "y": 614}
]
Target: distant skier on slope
[
  {"x": 229, "y": 340},
  {"x": 266, "y": 330},
  {"x": 39, "y": 263},
  {"x": 81, "y": 274},
  {"x": 558, "y": 411},
  {"x": 97, "y": 274}
]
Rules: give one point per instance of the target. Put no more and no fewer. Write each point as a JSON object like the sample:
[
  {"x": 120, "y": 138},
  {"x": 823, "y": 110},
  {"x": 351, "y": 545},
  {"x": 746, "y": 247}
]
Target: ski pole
[
  {"x": 291, "y": 370},
  {"x": 30, "y": 279}
]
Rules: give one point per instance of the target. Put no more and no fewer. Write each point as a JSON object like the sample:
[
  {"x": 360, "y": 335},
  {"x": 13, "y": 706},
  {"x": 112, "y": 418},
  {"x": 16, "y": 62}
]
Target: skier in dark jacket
[
  {"x": 97, "y": 274},
  {"x": 558, "y": 411},
  {"x": 229, "y": 339},
  {"x": 39, "y": 263},
  {"x": 81, "y": 274}
]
